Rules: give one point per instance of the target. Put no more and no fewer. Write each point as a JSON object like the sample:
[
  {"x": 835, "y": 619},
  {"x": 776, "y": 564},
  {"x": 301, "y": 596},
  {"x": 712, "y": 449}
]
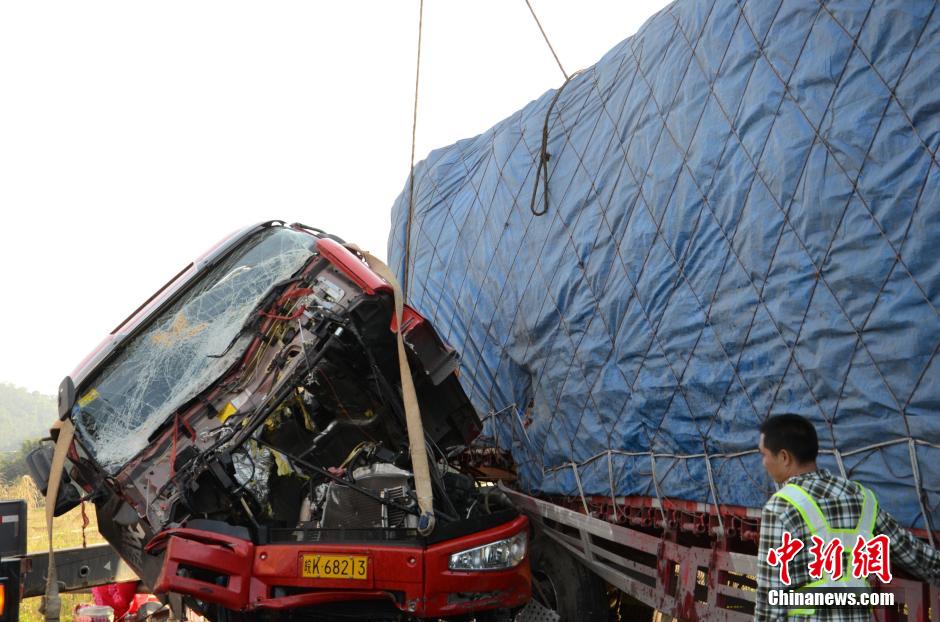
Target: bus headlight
[{"x": 499, "y": 555}]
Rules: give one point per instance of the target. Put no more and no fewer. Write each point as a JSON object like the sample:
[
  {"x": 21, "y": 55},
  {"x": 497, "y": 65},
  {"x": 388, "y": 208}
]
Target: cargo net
[{"x": 741, "y": 220}]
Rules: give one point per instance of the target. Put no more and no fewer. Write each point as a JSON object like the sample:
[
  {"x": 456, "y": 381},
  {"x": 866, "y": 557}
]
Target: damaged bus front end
[{"x": 244, "y": 440}]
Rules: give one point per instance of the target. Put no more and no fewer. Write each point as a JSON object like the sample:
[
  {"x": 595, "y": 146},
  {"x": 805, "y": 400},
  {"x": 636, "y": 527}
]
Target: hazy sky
[{"x": 134, "y": 135}]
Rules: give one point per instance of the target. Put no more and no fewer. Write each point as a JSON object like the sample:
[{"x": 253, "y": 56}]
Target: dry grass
[{"x": 67, "y": 533}]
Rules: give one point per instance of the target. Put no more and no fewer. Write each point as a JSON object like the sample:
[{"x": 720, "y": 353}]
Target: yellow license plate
[{"x": 354, "y": 567}]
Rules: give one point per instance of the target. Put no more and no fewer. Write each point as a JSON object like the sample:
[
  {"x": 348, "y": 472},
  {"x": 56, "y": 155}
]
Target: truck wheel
[{"x": 560, "y": 582}]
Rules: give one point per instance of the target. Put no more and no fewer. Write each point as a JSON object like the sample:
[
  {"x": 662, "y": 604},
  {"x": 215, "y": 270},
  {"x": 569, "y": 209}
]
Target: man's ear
[{"x": 787, "y": 458}]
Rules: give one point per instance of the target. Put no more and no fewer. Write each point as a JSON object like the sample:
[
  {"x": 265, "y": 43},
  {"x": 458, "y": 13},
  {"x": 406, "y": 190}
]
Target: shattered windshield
[{"x": 185, "y": 348}]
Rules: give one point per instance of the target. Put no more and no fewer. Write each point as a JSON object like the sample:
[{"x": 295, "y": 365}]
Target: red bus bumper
[{"x": 237, "y": 574}]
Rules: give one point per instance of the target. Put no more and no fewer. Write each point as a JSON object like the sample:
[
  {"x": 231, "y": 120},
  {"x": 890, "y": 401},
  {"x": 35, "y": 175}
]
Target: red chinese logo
[
  {"x": 871, "y": 557},
  {"x": 826, "y": 558},
  {"x": 781, "y": 556}
]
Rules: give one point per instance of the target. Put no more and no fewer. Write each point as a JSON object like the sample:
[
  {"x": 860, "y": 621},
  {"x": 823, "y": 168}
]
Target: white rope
[
  {"x": 577, "y": 480},
  {"x": 659, "y": 496},
  {"x": 917, "y": 486},
  {"x": 610, "y": 477},
  {"x": 711, "y": 484},
  {"x": 838, "y": 457},
  {"x": 886, "y": 444},
  {"x": 635, "y": 454},
  {"x": 737, "y": 454},
  {"x": 521, "y": 423},
  {"x": 836, "y": 453}
]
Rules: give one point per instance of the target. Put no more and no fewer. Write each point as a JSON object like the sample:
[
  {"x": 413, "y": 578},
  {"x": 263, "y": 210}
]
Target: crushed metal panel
[{"x": 189, "y": 346}]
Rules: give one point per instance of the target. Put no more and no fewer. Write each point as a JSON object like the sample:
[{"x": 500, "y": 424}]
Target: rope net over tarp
[{"x": 742, "y": 220}]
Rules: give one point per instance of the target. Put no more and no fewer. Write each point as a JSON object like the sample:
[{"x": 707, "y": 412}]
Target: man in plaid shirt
[{"x": 789, "y": 447}]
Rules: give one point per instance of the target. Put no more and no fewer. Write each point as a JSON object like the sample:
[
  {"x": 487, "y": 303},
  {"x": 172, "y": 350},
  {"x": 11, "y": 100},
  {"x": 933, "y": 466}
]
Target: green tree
[
  {"x": 24, "y": 415},
  {"x": 13, "y": 464}
]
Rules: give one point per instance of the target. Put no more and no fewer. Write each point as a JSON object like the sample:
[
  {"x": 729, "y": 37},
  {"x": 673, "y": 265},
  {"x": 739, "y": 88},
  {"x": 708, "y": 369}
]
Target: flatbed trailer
[
  {"x": 684, "y": 559},
  {"x": 78, "y": 570}
]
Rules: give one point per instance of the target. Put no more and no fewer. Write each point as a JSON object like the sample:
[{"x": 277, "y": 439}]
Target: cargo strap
[
  {"x": 51, "y": 603},
  {"x": 419, "y": 452}
]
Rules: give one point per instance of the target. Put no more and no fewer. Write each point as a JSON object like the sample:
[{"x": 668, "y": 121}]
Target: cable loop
[{"x": 544, "y": 156}]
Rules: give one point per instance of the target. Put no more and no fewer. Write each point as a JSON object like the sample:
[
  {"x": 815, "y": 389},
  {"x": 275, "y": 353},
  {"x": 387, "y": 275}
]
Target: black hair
[{"x": 794, "y": 433}]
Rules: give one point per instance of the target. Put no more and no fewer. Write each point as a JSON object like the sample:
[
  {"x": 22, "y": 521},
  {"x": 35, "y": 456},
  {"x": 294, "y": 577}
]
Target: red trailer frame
[{"x": 683, "y": 558}]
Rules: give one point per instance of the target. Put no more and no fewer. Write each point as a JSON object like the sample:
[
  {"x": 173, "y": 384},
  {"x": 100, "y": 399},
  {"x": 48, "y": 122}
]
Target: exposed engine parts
[
  {"x": 257, "y": 407},
  {"x": 306, "y": 429},
  {"x": 337, "y": 506}
]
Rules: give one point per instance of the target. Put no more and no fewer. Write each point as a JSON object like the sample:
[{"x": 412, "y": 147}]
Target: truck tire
[{"x": 563, "y": 584}]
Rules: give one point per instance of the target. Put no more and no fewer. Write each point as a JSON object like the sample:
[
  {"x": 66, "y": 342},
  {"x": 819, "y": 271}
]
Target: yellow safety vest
[{"x": 817, "y": 525}]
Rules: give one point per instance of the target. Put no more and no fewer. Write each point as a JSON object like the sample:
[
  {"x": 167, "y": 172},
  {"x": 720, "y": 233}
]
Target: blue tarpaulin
[{"x": 742, "y": 220}]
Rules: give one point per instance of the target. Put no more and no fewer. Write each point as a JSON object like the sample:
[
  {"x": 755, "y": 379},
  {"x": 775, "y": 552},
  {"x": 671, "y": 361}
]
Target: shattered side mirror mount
[
  {"x": 66, "y": 397},
  {"x": 39, "y": 464}
]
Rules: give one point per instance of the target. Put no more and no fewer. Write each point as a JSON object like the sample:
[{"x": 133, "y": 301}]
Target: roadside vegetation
[
  {"x": 68, "y": 532},
  {"x": 24, "y": 416}
]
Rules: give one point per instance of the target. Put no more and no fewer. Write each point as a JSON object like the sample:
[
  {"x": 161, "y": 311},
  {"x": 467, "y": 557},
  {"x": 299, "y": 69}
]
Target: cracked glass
[{"x": 184, "y": 348}]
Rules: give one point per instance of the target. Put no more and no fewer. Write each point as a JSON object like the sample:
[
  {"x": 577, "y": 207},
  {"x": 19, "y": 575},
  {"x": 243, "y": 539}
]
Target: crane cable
[
  {"x": 419, "y": 455},
  {"x": 411, "y": 174},
  {"x": 541, "y": 171},
  {"x": 545, "y": 36},
  {"x": 420, "y": 466},
  {"x": 413, "y": 418}
]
